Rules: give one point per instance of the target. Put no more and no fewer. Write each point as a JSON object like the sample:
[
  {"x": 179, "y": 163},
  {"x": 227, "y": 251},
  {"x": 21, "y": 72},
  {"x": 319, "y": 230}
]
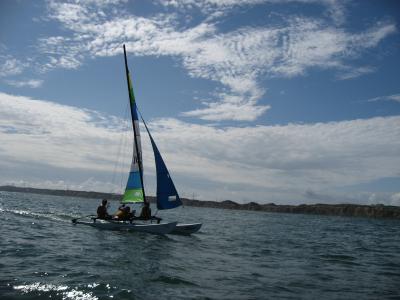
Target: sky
[{"x": 290, "y": 101}]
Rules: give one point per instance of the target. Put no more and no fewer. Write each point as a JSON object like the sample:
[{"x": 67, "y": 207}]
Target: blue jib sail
[{"x": 167, "y": 196}]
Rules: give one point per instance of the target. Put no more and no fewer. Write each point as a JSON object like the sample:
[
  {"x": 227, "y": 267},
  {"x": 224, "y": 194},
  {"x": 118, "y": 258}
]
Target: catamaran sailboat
[{"x": 167, "y": 195}]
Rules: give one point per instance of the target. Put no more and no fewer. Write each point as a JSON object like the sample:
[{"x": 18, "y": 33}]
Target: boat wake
[
  {"x": 55, "y": 290},
  {"x": 37, "y": 215}
]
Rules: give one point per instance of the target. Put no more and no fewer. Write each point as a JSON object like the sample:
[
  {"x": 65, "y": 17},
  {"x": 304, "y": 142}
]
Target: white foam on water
[
  {"x": 65, "y": 291},
  {"x": 78, "y": 295},
  {"x": 93, "y": 285},
  {"x": 40, "y": 287},
  {"x": 35, "y": 214}
]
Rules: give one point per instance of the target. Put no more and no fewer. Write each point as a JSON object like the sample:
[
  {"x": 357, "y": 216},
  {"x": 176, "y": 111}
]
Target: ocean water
[{"x": 236, "y": 255}]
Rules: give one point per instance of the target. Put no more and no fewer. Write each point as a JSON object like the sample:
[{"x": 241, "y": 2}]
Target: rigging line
[
  {"x": 118, "y": 153},
  {"x": 121, "y": 137},
  {"x": 121, "y": 162},
  {"x": 141, "y": 116},
  {"x": 148, "y": 133},
  {"x": 124, "y": 151},
  {"x": 144, "y": 123}
]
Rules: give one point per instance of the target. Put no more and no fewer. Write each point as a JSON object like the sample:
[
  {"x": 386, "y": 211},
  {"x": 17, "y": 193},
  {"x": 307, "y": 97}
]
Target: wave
[{"x": 172, "y": 280}]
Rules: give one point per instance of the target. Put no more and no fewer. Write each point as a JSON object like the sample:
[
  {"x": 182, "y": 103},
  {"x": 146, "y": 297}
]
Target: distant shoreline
[{"x": 350, "y": 210}]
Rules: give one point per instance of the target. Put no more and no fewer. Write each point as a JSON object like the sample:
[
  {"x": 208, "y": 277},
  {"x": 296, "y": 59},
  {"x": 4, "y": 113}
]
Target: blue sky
[{"x": 294, "y": 101}]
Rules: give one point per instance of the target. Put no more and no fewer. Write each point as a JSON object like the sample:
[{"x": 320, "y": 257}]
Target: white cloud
[
  {"x": 350, "y": 73},
  {"x": 59, "y": 52},
  {"x": 90, "y": 184},
  {"x": 218, "y": 8},
  {"x": 237, "y": 59},
  {"x": 321, "y": 154},
  {"x": 57, "y": 135},
  {"x": 373, "y": 36},
  {"x": 32, "y": 83},
  {"x": 394, "y": 97},
  {"x": 395, "y": 199},
  {"x": 10, "y": 66},
  {"x": 263, "y": 163},
  {"x": 225, "y": 110}
]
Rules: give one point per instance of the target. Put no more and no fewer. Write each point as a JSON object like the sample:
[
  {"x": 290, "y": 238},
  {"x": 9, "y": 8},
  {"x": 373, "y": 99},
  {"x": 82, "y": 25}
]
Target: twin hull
[
  {"x": 164, "y": 228},
  {"x": 115, "y": 225}
]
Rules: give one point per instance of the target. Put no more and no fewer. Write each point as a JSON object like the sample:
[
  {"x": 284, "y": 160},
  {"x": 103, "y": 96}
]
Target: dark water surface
[{"x": 237, "y": 255}]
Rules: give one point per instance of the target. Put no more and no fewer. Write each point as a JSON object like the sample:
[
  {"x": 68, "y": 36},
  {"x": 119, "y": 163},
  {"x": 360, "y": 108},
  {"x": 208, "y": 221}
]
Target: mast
[{"x": 131, "y": 101}]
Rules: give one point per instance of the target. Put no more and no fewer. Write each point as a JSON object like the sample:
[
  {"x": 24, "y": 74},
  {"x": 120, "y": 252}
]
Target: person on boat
[
  {"x": 102, "y": 211},
  {"x": 120, "y": 212},
  {"x": 129, "y": 215},
  {"x": 124, "y": 213},
  {"x": 145, "y": 214}
]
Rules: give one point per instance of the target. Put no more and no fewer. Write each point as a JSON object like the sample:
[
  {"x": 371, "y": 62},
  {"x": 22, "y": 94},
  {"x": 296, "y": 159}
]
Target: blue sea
[{"x": 236, "y": 255}]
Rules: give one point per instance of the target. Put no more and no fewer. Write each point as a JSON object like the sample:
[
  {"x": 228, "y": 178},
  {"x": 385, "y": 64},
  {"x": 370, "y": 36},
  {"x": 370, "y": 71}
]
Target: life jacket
[{"x": 121, "y": 214}]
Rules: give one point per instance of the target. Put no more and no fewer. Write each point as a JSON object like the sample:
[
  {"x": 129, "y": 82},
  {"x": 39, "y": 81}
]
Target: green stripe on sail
[
  {"x": 133, "y": 196},
  {"x": 131, "y": 94}
]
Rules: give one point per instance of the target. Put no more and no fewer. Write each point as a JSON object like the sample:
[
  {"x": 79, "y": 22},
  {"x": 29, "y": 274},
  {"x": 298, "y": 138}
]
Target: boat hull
[
  {"x": 163, "y": 228},
  {"x": 186, "y": 228}
]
